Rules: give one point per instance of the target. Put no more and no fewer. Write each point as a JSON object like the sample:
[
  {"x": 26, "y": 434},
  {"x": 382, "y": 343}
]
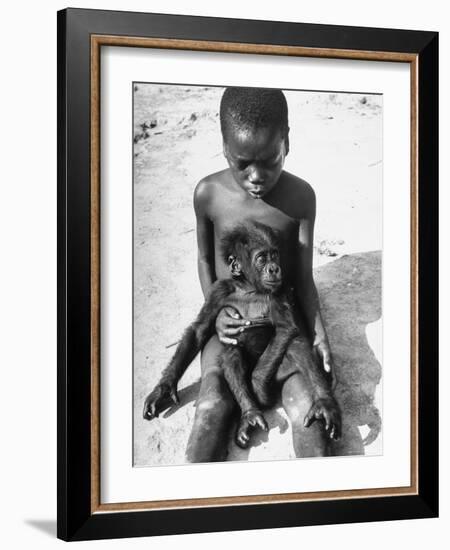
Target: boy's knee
[
  {"x": 298, "y": 411},
  {"x": 210, "y": 354},
  {"x": 297, "y": 406},
  {"x": 214, "y": 399},
  {"x": 215, "y": 404}
]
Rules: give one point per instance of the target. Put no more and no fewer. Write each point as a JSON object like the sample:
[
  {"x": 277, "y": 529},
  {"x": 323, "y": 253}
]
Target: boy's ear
[
  {"x": 224, "y": 149},
  {"x": 286, "y": 141},
  {"x": 235, "y": 266}
]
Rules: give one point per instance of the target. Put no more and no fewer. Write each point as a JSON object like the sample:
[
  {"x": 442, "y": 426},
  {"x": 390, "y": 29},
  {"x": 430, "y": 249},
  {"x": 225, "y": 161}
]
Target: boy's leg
[
  {"x": 298, "y": 396},
  {"x": 208, "y": 441}
]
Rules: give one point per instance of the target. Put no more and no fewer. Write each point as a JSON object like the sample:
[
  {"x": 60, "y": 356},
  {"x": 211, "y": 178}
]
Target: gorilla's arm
[
  {"x": 193, "y": 340},
  {"x": 285, "y": 331}
]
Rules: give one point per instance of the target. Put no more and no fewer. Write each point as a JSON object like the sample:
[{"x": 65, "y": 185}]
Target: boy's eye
[
  {"x": 242, "y": 165},
  {"x": 270, "y": 163}
]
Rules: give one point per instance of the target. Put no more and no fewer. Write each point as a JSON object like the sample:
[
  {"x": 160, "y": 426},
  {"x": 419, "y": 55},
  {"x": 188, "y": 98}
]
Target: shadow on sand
[
  {"x": 350, "y": 296},
  {"x": 186, "y": 395}
]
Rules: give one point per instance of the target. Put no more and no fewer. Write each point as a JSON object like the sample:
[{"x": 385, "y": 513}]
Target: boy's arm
[
  {"x": 306, "y": 290},
  {"x": 205, "y": 238},
  {"x": 228, "y": 323}
]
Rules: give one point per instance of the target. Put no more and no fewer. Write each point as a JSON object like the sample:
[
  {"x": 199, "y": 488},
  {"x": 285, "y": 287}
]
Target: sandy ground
[{"x": 336, "y": 145}]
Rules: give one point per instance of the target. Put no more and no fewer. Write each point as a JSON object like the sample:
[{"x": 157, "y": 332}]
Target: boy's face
[{"x": 256, "y": 158}]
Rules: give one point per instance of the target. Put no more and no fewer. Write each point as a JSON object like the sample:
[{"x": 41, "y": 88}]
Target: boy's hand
[
  {"x": 228, "y": 324},
  {"x": 323, "y": 352}
]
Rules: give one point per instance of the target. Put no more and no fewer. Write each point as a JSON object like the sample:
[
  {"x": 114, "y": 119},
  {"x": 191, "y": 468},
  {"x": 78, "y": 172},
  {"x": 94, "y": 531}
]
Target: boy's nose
[{"x": 256, "y": 176}]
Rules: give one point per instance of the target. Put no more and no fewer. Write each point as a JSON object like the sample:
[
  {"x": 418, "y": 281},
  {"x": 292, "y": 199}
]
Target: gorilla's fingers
[
  {"x": 262, "y": 423},
  {"x": 148, "y": 410},
  {"x": 242, "y": 439},
  {"x": 310, "y": 417},
  {"x": 333, "y": 432},
  {"x": 174, "y": 396},
  {"x": 153, "y": 411}
]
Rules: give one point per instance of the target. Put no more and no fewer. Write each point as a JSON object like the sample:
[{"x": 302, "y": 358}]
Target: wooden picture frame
[{"x": 81, "y": 35}]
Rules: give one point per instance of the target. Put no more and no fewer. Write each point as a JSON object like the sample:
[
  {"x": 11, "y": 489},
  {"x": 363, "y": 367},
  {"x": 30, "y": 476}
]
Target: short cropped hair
[{"x": 250, "y": 108}]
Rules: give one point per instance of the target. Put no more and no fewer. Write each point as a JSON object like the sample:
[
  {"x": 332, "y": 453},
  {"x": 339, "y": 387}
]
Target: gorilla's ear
[{"x": 235, "y": 266}]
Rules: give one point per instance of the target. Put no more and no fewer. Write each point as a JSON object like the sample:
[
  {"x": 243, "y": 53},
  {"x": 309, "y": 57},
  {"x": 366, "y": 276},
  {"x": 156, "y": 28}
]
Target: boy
[{"x": 255, "y": 131}]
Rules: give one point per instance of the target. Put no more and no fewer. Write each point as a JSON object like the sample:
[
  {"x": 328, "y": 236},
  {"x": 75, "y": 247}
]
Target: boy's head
[{"x": 254, "y": 124}]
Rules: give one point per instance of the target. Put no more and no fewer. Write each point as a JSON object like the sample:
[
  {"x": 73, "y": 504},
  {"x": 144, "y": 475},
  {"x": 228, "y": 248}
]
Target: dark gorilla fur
[
  {"x": 256, "y": 291},
  {"x": 252, "y": 236}
]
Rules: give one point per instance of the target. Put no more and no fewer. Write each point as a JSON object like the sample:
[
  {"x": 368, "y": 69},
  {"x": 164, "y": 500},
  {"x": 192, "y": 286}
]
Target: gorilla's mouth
[{"x": 272, "y": 283}]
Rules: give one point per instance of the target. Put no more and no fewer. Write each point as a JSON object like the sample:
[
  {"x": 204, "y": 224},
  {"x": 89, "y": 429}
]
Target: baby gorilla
[{"x": 256, "y": 292}]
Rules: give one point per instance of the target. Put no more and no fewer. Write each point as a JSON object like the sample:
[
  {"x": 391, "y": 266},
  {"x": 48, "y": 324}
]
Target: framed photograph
[{"x": 247, "y": 274}]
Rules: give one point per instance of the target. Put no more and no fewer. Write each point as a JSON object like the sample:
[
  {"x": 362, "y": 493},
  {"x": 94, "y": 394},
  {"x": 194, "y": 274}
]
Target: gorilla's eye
[{"x": 260, "y": 260}]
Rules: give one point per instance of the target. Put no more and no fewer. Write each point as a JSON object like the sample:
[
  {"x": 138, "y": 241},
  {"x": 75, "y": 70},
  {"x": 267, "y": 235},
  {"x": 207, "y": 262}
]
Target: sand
[{"x": 336, "y": 145}]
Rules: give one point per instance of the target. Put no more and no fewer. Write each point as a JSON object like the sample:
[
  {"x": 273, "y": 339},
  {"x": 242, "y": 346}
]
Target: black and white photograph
[{"x": 257, "y": 274}]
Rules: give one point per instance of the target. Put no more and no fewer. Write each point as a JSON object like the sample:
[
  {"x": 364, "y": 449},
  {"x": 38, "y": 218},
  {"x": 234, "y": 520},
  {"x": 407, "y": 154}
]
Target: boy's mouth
[{"x": 256, "y": 193}]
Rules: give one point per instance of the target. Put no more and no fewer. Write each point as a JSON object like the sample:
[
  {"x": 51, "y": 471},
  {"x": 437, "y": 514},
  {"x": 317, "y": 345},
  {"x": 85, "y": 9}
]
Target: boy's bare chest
[{"x": 230, "y": 213}]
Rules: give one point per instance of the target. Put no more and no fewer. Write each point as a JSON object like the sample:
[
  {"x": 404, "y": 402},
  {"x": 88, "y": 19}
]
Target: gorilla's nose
[{"x": 274, "y": 269}]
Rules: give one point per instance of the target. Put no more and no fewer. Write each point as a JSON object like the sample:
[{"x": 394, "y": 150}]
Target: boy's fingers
[
  {"x": 229, "y": 341},
  {"x": 326, "y": 361},
  {"x": 325, "y": 357},
  {"x": 327, "y": 419},
  {"x": 231, "y": 312},
  {"x": 233, "y": 331},
  {"x": 334, "y": 379}
]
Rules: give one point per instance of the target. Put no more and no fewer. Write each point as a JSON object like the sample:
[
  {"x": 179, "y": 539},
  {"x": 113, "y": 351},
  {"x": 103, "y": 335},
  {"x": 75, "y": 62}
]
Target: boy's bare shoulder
[
  {"x": 299, "y": 194},
  {"x": 209, "y": 187}
]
